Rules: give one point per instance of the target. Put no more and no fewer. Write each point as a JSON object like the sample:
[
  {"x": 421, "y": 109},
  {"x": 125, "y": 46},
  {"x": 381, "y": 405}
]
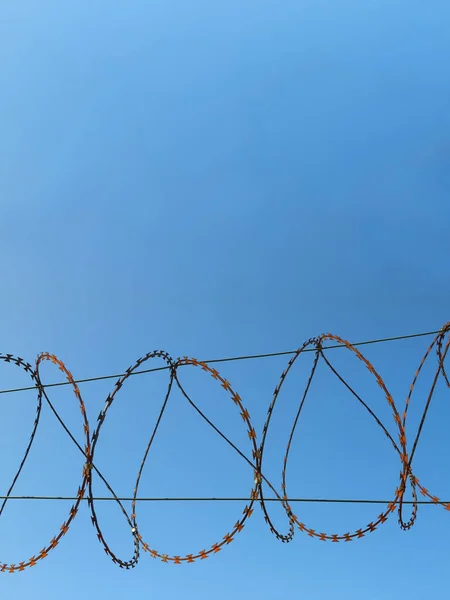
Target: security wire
[{"x": 317, "y": 345}]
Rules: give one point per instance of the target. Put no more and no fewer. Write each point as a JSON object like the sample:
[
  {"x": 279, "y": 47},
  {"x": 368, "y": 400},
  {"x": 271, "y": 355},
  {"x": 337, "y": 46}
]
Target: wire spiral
[{"x": 92, "y": 436}]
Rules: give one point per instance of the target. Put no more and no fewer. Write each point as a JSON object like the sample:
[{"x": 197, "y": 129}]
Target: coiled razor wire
[{"x": 92, "y": 436}]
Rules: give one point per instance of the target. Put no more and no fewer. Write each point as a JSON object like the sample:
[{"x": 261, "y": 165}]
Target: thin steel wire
[
  {"x": 222, "y": 499},
  {"x": 220, "y": 360}
]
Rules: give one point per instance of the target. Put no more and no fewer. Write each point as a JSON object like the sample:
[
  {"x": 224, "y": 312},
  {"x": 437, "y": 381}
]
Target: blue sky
[{"x": 214, "y": 179}]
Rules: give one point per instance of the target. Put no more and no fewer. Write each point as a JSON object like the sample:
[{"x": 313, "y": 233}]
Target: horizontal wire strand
[
  {"x": 222, "y": 360},
  {"x": 225, "y": 499}
]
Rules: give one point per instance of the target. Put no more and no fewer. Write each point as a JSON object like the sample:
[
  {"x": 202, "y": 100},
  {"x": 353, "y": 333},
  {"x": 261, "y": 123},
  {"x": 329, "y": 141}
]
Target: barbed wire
[{"x": 85, "y": 492}]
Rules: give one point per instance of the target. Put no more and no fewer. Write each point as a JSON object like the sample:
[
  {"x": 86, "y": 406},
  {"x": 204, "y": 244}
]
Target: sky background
[{"x": 217, "y": 179}]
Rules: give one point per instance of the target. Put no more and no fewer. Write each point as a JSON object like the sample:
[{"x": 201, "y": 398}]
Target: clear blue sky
[{"x": 221, "y": 178}]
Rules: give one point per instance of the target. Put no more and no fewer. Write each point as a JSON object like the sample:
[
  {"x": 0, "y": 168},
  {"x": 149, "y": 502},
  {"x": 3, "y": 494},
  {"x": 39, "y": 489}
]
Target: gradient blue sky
[{"x": 221, "y": 178}]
